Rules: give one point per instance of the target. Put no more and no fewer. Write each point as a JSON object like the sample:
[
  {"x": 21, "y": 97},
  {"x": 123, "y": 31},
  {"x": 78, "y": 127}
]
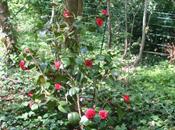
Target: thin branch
[
  {"x": 78, "y": 104},
  {"x": 103, "y": 36},
  {"x": 53, "y": 13},
  {"x": 156, "y": 53}
]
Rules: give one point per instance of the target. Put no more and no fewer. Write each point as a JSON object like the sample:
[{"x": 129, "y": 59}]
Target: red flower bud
[
  {"x": 90, "y": 113},
  {"x": 103, "y": 114},
  {"x": 67, "y": 13},
  {"x": 126, "y": 98},
  {"x": 99, "y": 22},
  {"x": 57, "y": 65},
  {"x": 88, "y": 63},
  {"x": 58, "y": 86},
  {"x": 104, "y": 12},
  {"x": 22, "y": 65},
  {"x": 30, "y": 94}
]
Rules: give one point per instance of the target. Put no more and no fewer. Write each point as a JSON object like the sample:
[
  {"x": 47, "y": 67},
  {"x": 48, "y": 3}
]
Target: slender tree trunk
[
  {"x": 109, "y": 25},
  {"x": 6, "y": 36},
  {"x": 132, "y": 27},
  {"x": 126, "y": 29},
  {"x": 75, "y": 7},
  {"x": 142, "y": 45}
]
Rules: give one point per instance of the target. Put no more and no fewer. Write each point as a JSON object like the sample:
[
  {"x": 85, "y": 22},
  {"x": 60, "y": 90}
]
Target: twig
[
  {"x": 78, "y": 104},
  {"x": 156, "y": 53},
  {"x": 53, "y": 13},
  {"x": 103, "y": 37},
  {"x": 79, "y": 108},
  {"x": 36, "y": 63}
]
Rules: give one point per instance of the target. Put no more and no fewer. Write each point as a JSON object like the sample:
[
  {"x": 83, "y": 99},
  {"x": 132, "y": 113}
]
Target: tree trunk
[
  {"x": 75, "y": 7},
  {"x": 132, "y": 27},
  {"x": 6, "y": 36},
  {"x": 142, "y": 45},
  {"x": 109, "y": 25},
  {"x": 126, "y": 29}
]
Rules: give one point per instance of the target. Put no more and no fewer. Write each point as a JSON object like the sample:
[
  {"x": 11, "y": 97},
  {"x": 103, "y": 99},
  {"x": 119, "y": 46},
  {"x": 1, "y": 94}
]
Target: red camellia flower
[
  {"x": 126, "y": 98},
  {"x": 90, "y": 113},
  {"x": 103, "y": 114},
  {"x": 30, "y": 94},
  {"x": 57, "y": 86},
  {"x": 88, "y": 63},
  {"x": 99, "y": 22},
  {"x": 66, "y": 13},
  {"x": 22, "y": 65},
  {"x": 57, "y": 64},
  {"x": 104, "y": 12}
]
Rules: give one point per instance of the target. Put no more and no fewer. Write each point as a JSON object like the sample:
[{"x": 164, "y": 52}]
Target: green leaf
[
  {"x": 73, "y": 91},
  {"x": 25, "y": 104},
  {"x": 63, "y": 103},
  {"x": 73, "y": 117},
  {"x": 63, "y": 110},
  {"x": 66, "y": 61},
  {"x": 84, "y": 121},
  {"x": 123, "y": 127},
  {"x": 24, "y": 116},
  {"x": 102, "y": 124},
  {"x": 34, "y": 107},
  {"x": 43, "y": 66},
  {"x": 31, "y": 113},
  {"x": 41, "y": 80},
  {"x": 79, "y": 60},
  {"x": 120, "y": 113},
  {"x": 114, "y": 73},
  {"x": 97, "y": 118}
]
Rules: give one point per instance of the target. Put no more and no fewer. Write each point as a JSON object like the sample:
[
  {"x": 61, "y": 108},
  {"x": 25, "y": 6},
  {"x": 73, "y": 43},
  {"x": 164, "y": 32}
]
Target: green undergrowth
[
  {"x": 151, "y": 88},
  {"x": 155, "y": 100}
]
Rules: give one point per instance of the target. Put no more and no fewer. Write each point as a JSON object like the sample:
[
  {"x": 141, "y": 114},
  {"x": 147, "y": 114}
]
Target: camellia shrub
[
  {"x": 79, "y": 89},
  {"x": 73, "y": 90}
]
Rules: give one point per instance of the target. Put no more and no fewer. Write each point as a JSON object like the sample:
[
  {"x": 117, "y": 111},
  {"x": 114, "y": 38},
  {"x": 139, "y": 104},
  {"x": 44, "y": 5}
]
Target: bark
[
  {"x": 126, "y": 29},
  {"x": 6, "y": 36},
  {"x": 109, "y": 25},
  {"x": 142, "y": 45},
  {"x": 75, "y": 7}
]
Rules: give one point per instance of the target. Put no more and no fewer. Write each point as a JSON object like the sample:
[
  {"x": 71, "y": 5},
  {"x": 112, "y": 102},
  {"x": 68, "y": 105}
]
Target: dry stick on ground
[{"x": 142, "y": 45}]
